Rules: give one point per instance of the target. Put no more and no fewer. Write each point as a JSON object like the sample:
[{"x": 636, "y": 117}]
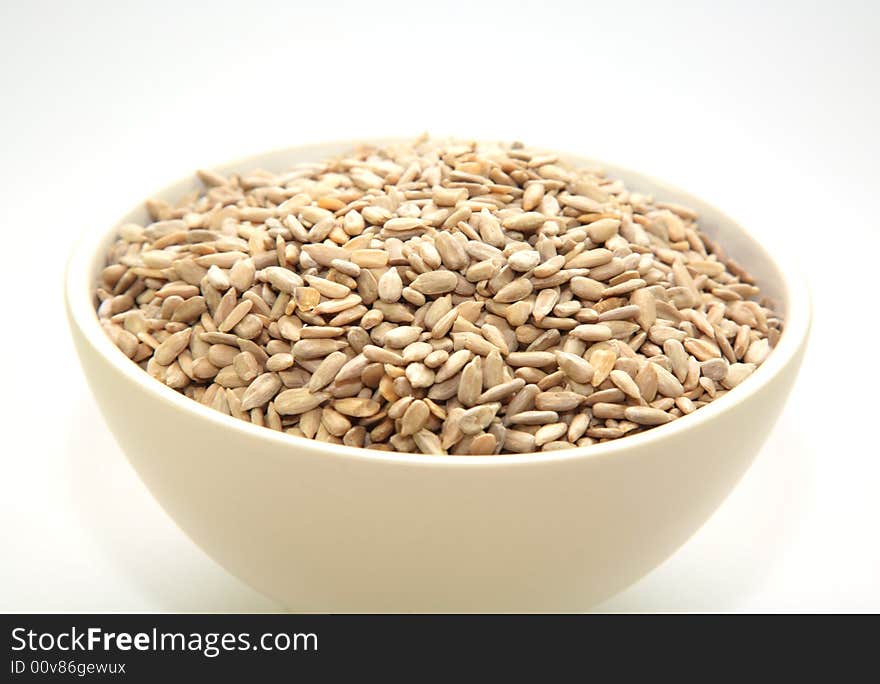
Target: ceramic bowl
[{"x": 322, "y": 527}]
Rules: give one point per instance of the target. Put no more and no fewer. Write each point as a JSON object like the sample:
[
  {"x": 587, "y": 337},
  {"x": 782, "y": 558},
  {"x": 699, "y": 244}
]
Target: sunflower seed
[
  {"x": 667, "y": 384},
  {"x": 356, "y": 407},
  {"x": 428, "y": 442},
  {"x": 390, "y": 286},
  {"x": 435, "y": 282},
  {"x": 469, "y": 389},
  {"x": 316, "y": 348},
  {"x": 401, "y": 336},
  {"x": 624, "y": 382},
  {"x": 645, "y": 415},
  {"x": 514, "y": 291},
  {"x": 519, "y": 442},
  {"x": 476, "y": 419},
  {"x": 435, "y": 298},
  {"x": 246, "y": 366},
  {"x": 295, "y": 401},
  {"x": 575, "y": 367},
  {"x": 414, "y": 418},
  {"x": 534, "y": 417},
  {"x": 260, "y": 391},
  {"x": 534, "y": 359},
  {"x": 558, "y": 401},
  {"x": 166, "y": 352},
  {"x": 602, "y": 361},
  {"x": 327, "y": 370},
  {"x": 736, "y": 373},
  {"x": 598, "y": 332}
]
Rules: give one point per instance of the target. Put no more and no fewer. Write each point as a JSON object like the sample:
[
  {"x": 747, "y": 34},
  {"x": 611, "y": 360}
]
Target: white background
[{"x": 767, "y": 109}]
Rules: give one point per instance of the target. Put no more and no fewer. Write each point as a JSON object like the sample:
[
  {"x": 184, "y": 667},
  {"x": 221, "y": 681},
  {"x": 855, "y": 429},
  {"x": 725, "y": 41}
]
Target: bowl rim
[{"x": 78, "y": 284}]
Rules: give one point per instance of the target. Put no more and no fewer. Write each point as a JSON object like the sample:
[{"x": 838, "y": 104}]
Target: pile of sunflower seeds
[{"x": 435, "y": 297}]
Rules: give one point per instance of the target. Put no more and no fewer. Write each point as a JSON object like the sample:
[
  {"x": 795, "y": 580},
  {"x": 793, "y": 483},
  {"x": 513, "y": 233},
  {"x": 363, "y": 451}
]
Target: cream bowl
[{"x": 323, "y": 527}]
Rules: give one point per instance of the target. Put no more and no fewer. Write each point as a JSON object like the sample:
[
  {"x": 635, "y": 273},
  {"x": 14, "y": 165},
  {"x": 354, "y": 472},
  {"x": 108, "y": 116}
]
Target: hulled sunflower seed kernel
[{"x": 439, "y": 298}]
